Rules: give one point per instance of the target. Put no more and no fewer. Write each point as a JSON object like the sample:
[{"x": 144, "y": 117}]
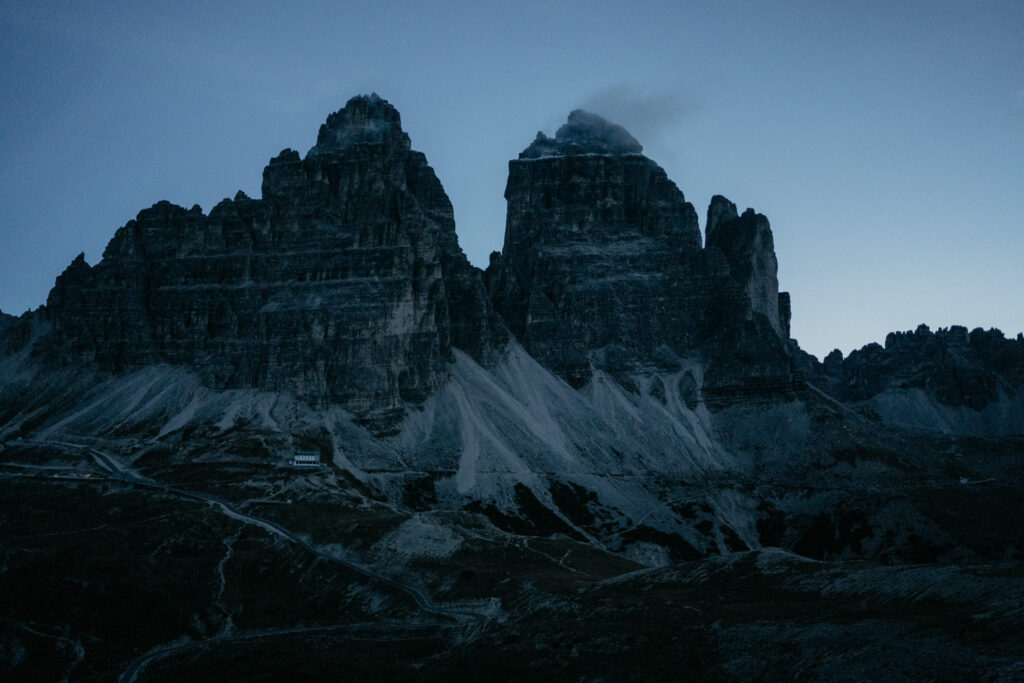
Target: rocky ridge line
[
  {"x": 344, "y": 283},
  {"x": 956, "y": 367}
]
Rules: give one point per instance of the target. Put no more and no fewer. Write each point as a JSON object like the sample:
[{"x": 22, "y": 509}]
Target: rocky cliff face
[
  {"x": 746, "y": 244},
  {"x": 747, "y": 344},
  {"x": 14, "y": 332},
  {"x": 6, "y": 322},
  {"x": 344, "y": 283},
  {"x": 603, "y": 267}
]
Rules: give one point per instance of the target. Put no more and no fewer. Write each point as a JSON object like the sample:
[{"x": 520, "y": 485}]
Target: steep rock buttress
[
  {"x": 344, "y": 283},
  {"x": 603, "y": 268}
]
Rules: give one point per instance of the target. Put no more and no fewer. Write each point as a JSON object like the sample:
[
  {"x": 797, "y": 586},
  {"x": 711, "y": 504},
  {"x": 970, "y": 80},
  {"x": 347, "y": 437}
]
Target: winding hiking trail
[{"x": 117, "y": 471}]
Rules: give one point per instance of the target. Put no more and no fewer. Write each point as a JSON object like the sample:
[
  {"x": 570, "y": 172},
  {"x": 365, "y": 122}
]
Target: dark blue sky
[{"x": 884, "y": 140}]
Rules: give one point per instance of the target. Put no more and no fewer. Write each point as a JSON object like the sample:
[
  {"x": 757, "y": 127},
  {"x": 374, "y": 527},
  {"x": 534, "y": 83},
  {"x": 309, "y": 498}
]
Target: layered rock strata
[
  {"x": 344, "y": 283},
  {"x": 747, "y": 344},
  {"x": 603, "y": 268}
]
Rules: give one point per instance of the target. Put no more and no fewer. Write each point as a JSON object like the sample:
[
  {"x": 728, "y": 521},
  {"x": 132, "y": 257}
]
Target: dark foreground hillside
[{"x": 103, "y": 575}]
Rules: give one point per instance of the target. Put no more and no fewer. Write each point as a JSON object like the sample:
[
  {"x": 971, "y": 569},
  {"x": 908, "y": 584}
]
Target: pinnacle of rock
[
  {"x": 584, "y": 133},
  {"x": 365, "y": 119}
]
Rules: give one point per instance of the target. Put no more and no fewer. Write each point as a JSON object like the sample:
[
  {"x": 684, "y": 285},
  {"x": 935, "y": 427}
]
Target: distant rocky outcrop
[
  {"x": 951, "y": 365},
  {"x": 603, "y": 267},
  {"x": 6, "y": 321},
  {"x": 344, "y": 283}
]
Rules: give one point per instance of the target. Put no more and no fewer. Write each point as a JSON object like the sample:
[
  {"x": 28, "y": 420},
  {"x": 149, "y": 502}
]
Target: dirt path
[{"x": 116, "y": 470}]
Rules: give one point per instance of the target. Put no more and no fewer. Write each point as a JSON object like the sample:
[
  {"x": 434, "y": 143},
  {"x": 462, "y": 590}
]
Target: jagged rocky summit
[
  {"x": 344, "y": 283},
  {"x": 603, "y": 267},
  {"x": 946, "y": 381}
]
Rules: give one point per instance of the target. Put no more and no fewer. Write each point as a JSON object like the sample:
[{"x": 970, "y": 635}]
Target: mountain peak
[
  {"x": 584, "y": 133},
  {"x": 365, "y": 119}
]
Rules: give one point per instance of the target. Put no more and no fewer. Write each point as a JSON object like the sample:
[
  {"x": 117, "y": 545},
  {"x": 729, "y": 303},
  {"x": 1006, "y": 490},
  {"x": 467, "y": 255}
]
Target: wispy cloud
[{"x": 649, "y": 114}]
